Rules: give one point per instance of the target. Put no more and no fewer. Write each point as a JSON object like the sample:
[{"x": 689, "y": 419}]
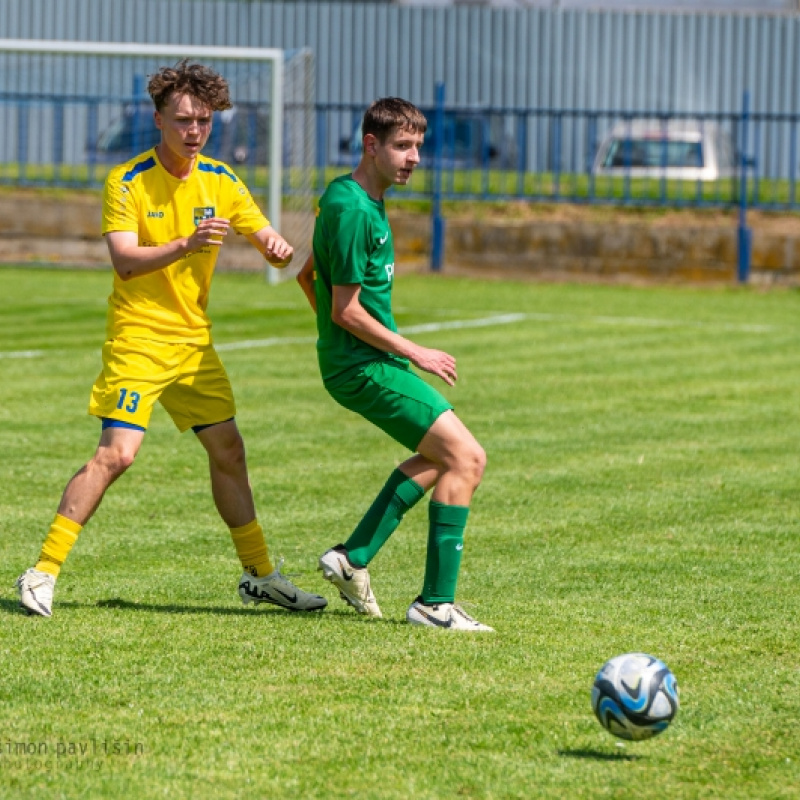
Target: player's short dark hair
[
  {"x": 389, "y": 114},
  {"x": 195, "y": 80}
]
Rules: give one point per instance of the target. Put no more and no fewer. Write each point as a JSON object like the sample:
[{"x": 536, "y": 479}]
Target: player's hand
[
  {"x": 278, "y": 251},
  {"x": 437, "y": 362},
  {"x": 211, "y": 231}
]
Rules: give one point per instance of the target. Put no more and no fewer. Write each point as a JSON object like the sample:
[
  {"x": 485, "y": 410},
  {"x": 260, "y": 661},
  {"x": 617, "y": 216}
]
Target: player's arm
[
  {"x": 348, "y": 313},
  {"x": 131, "y": 260},
  {"x": 306, "y": 280},
  {"x": 272, "y": 246}
]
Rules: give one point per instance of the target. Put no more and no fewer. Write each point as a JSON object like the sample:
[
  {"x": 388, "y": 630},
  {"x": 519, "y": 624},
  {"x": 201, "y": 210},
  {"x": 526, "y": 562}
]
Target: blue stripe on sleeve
[
  {"x": 217, "y": 169},
  {"x": 139, "y": 168}
]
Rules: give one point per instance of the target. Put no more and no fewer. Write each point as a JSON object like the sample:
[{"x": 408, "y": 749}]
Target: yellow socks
[
  {"x": 252, "y": 549},
  {"x": 60, "y": 539},
  {"x": 248, "y": 541}
]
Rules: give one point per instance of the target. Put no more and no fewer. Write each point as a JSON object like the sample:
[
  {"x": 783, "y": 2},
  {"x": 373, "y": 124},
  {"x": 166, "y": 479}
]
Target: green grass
[{"x": 641, "y": 494}]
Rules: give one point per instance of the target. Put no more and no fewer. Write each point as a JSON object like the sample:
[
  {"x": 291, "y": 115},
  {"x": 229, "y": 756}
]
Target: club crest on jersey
[{"x": 205, "y": 212}]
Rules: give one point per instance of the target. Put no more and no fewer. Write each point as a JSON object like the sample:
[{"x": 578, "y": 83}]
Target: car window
[{"x": 653, "y": 153}]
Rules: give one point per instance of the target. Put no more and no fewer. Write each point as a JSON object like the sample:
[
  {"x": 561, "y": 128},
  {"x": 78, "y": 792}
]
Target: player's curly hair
[
  {"x": 201, "y": 82},
  {"x": 389, "y": 114}
]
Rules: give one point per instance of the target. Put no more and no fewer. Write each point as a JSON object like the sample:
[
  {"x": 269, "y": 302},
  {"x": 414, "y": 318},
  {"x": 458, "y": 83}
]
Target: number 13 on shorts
[{"x": 128, "y": 401}]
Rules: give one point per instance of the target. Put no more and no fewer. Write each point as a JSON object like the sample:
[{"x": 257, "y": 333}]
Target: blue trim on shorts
[
  {"x": 117, "y": 423},
  {"x": 198, "y": 428}
]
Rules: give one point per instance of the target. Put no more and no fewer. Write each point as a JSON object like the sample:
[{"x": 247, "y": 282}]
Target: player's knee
[
  {"x": 472, "y": 462},
  {"x": 115, "y": 460},
  {"x": 477, "y": 462},
  {"x": 236, "y": 455},
  {"x": 231, "y": 456}
]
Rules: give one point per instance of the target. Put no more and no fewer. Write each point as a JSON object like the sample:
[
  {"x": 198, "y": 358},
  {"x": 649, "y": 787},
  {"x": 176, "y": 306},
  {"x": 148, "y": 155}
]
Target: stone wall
[
  {"x": 679, "y": 247},
  {"x": 561, "y": 243}
]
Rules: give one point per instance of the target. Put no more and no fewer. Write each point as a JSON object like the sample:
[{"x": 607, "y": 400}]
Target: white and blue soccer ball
[{"x": 635, "y": 696}]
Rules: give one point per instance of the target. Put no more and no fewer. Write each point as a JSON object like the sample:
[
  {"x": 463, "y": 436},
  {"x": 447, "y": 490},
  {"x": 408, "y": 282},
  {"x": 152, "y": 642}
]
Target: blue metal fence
[{"x": 544, "y": 155}]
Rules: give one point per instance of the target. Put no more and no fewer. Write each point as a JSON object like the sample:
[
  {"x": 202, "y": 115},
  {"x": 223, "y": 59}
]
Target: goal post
[{"x": 270, "y": 144}]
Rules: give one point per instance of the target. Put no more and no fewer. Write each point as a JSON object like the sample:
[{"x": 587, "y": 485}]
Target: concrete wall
[
  {"x": 576, "y": 244},
  {"x": 558, "y": 244}
]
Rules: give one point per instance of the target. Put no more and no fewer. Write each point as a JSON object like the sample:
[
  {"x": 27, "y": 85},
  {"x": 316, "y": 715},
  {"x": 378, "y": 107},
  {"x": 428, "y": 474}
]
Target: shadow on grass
[
  {"x": 129, "y": 605},
  {"x": 598, "y": 755},
  {"x": 10, "y": 606}
]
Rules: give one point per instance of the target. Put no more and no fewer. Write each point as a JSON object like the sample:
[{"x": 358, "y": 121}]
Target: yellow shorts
[{"x": 188, "y": 379}]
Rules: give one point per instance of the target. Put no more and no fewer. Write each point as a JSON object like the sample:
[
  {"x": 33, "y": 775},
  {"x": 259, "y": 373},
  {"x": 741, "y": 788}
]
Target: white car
[{"x": 680, "y": 149}]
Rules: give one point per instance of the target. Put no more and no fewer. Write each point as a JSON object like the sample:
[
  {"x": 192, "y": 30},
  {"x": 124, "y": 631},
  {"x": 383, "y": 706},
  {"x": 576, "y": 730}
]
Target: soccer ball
[{"x": 635, "y": 696}]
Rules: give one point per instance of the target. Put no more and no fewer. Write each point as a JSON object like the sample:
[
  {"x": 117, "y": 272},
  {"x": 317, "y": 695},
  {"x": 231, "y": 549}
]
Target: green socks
[
  {"x": 398, "y": 495},
  {"x": 445, "y": 545},
  {"x": 445, "y": 535}
]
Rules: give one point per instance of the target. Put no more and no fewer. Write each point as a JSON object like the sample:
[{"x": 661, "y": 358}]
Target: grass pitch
[{"x": 641, "y": 494}]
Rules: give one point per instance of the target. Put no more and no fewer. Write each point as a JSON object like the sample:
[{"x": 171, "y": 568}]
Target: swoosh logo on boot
[
  {"x": 435, "y": 620},
  {"x": 348, "y": 576}
]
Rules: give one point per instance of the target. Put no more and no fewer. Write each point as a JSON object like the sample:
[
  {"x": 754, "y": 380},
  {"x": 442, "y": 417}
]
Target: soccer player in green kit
[{"x": 365, "y": 367}]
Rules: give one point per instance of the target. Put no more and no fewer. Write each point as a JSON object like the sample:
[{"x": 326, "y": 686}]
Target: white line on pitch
[
  {"x": 274, "y": 341},
  {"x": 427, "y": 327},
  {"x": 21, "y": 354},
  {"x": 456, "y": 324},
  {"x": 481, "y": 322},
  {"x": 651, "y": 322}
]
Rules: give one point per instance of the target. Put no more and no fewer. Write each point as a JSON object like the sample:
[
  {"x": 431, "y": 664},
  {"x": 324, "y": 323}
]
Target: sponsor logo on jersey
[
  {"x": 155, "y": 214},
  {"x": 389, "y": 271},
  {"x": 204, "y": 212}
]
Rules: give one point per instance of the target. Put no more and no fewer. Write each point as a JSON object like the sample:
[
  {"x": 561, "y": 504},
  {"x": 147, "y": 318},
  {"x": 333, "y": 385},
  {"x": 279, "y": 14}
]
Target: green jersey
[{"x": 352, "y": 244}]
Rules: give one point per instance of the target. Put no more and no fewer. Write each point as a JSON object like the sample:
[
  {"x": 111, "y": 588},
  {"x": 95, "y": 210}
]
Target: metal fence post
[
  {"x": 139, "y": 92},
  {"x": 437, "y": 220},
  {"x": 744, "y": 237}
]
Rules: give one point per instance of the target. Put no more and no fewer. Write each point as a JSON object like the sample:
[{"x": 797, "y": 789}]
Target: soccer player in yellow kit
[{"x": 165, "y": 216}]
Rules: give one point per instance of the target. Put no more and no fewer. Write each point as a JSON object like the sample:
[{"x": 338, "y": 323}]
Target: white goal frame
[{"x": 274, "y": 56}]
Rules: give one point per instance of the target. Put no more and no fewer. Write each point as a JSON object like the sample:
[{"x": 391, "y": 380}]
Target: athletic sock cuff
[
  {"x": 409, "y": 491},
  {"x": 67, "y": 524},
  {"x": 442, "y": 514},
  {"x": 245, "y": 529}
]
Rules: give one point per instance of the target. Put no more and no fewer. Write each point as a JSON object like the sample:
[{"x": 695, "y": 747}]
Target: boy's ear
[{"x": 370, "y": 144}]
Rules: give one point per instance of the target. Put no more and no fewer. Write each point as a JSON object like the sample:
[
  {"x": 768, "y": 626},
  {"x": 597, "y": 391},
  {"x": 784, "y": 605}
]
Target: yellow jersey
[{"x": 141, "y": 196}]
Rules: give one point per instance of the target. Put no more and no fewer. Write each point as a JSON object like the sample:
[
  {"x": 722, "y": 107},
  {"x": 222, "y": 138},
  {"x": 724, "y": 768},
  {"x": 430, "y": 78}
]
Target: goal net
[{"x": 70, "y": 111}]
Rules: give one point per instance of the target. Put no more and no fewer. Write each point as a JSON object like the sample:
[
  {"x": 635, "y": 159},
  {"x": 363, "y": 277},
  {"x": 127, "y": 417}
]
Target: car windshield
[{"x": 653, "y": 153}]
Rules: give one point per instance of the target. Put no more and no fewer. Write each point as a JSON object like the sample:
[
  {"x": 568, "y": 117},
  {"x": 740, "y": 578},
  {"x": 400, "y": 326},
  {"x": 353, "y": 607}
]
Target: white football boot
[
  {"x": 352, "y": 582},
  {"x": 277, "y": 589},
  {"x": 444, "y": 615},
  {"x": 36, "y": 592}
]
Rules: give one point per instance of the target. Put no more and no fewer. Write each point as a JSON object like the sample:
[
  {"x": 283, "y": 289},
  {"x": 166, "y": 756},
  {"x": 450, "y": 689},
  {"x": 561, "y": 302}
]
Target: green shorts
[{"x": 391, "y": 396}]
